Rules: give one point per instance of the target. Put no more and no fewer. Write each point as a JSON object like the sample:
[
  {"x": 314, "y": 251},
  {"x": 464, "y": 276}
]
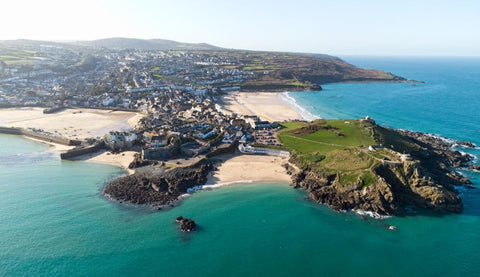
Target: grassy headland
[
  {"x": 337, "y": 146},
  {"x": 356, "y": 164}
]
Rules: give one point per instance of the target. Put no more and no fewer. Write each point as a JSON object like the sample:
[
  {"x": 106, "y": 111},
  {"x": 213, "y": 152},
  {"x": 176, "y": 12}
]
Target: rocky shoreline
[
  {"x": 157, "y": 187},
  {"x": 426, "y": 181}
]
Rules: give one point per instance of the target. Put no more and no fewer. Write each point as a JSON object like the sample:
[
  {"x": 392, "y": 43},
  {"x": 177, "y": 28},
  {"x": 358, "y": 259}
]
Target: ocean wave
[
  {"x": 473, "y": 156},
  {"x": 194, "y": 189},
  {"x": 371, "y": 214},
  {"x": 292, "y": 103},
  {"x": 219, "y": 185},
  {"x": 26, "y": 158}
]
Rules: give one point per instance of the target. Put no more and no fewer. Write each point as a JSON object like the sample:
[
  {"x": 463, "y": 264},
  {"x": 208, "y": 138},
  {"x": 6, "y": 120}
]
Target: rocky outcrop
[
  {"x": 467, "y": 144},
  {"x": 398, "y": 187},
  {"x": 157, "y": 187},
  {"x": 186, "y": 225},
  {"x": 474, "y": 167}
]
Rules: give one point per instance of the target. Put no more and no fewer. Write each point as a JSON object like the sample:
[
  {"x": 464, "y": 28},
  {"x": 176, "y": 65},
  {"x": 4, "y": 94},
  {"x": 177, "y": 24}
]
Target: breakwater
[
  {"x": 78, "y": 151},
  {"x": 39, "y": 136}
]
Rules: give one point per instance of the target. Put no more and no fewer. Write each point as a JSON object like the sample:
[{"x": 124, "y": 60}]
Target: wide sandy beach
[
  {"x": 267, "y": 105},
  {"x": 76, "y": 124},
  {"x": 70, "y": 123}
]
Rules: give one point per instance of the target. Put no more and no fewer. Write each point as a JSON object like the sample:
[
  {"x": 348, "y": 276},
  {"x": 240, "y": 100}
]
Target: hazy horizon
[{"x": 370, "y": 28}]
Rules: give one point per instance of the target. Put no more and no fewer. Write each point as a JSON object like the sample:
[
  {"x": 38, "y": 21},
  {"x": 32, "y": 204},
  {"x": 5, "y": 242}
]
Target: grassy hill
[
  {"x": 338, "y": 168},
  {"x": 146, "y": 44},
  {"x": 336, "y": 146},
  {"x": 300, "y": 71}
]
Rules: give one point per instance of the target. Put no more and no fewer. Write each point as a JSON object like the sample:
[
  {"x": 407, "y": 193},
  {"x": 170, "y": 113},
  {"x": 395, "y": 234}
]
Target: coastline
[
  {"x": 243, "y": 168},
  {"x": 238, "y": 169},
  {"x": 271, "y": 106},
  {"x": 292, "y": 103},
  {"x": 122, "y": 159},
  {"x": 63, "y": 123},
  {"x": 71, "y": 123}
]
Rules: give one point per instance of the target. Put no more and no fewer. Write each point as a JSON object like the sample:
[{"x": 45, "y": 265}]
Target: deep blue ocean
[{"x": 55, "y": 222}]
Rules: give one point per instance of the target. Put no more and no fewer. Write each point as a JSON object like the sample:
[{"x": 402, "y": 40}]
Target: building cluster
[
  {"x": 66, "y": 76},
  {"x": 182, "y": 123},
  {"x": 178, "y": 93}
]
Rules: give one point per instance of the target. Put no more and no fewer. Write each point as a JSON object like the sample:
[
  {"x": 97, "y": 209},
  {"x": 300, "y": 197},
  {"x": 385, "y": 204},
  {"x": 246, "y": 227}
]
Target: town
[{"x": 178, "y": 92}]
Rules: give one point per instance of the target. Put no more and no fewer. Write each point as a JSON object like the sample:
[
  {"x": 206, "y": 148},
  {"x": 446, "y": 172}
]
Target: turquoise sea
[{"x": 55, "y": 222}]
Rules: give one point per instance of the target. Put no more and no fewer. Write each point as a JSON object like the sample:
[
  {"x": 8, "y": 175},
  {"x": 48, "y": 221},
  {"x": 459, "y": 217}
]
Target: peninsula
[{"x": 184, "y": 115}]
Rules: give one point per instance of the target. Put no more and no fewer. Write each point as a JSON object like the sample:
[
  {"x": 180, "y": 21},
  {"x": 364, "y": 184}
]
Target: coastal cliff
[
  {"x": 422, "y": 176},
  {"x": 398, "y": 187}
]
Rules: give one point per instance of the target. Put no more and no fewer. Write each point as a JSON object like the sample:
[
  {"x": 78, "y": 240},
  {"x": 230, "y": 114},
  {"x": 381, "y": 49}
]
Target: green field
[
  {"x": 299, "y": 84},
  {"x": 336, "y": 146},
  {"x": 12, "y": 55}
]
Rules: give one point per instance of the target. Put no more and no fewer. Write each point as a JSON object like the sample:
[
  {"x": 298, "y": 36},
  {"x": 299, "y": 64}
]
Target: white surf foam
[
  {"x": 292, "y": 103},
  {"x": 371, "y": 214}
]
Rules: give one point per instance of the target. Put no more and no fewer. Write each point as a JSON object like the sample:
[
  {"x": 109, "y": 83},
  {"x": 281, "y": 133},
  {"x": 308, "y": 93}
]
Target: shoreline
[
  {"x": 270, "y": 106},
  {"x": 73, "y": 124},
  {"x": 292, "y": 103},
  {"x": 243, "y": 168},
  {"x": 121, "y": 160},
  {"x": 224, "y": 176}
]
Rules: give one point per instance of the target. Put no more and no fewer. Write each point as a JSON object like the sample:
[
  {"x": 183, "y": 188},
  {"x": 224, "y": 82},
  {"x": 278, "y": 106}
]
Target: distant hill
[
  {"x": 270, "y": 71},
  {"x": 146, "y": 44}
]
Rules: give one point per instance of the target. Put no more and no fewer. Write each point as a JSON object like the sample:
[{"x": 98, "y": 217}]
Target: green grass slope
[{"x": 336, "y": 146}]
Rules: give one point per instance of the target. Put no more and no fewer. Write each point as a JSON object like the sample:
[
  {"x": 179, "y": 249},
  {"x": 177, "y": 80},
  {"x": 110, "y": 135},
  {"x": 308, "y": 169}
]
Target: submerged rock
[{"x": 467, "y": 144}]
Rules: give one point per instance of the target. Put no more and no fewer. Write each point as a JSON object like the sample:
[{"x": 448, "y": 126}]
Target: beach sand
[
  {"x": 122, "y": 159},
  {"x": 70, "y": 123},
  {"x": 76, "y": 124},
  {"x": 267, "y": 105},
  {"x": 248, "y": 168}
]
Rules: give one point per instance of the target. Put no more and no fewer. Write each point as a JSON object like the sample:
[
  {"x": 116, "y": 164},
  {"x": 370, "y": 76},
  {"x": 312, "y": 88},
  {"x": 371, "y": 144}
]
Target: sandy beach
[
  {"x": 248, "y": 168},
  {"x": 122, "y": 159},
  {"x": 70, "y": 123},
  {"x": 267, "y": 105},
  {"x": 76, "y": 124}
]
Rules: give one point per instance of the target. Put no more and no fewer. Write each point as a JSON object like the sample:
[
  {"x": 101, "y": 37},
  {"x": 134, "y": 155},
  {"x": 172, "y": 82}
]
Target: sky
[{"x": 338, "y": 27}]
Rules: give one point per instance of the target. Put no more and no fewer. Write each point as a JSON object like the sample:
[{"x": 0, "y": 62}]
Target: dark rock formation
[
  {"x": 467, "y": 144},
  {"x": 474, "y": 167},
  {"x": 399, "y": 186},
  {"x": 156, "y": 187},
  {"x": 187, "y": 225}
]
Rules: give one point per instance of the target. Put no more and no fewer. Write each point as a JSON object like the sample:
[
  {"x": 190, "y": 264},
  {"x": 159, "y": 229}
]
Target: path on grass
[{"x": 318, "y": 142}]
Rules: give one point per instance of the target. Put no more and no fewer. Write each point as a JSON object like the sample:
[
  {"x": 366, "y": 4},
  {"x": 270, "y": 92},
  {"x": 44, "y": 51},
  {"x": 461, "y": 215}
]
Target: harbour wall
[
  {"x": 39, "y": 136},
  {"x": 82, "y": 151}
]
